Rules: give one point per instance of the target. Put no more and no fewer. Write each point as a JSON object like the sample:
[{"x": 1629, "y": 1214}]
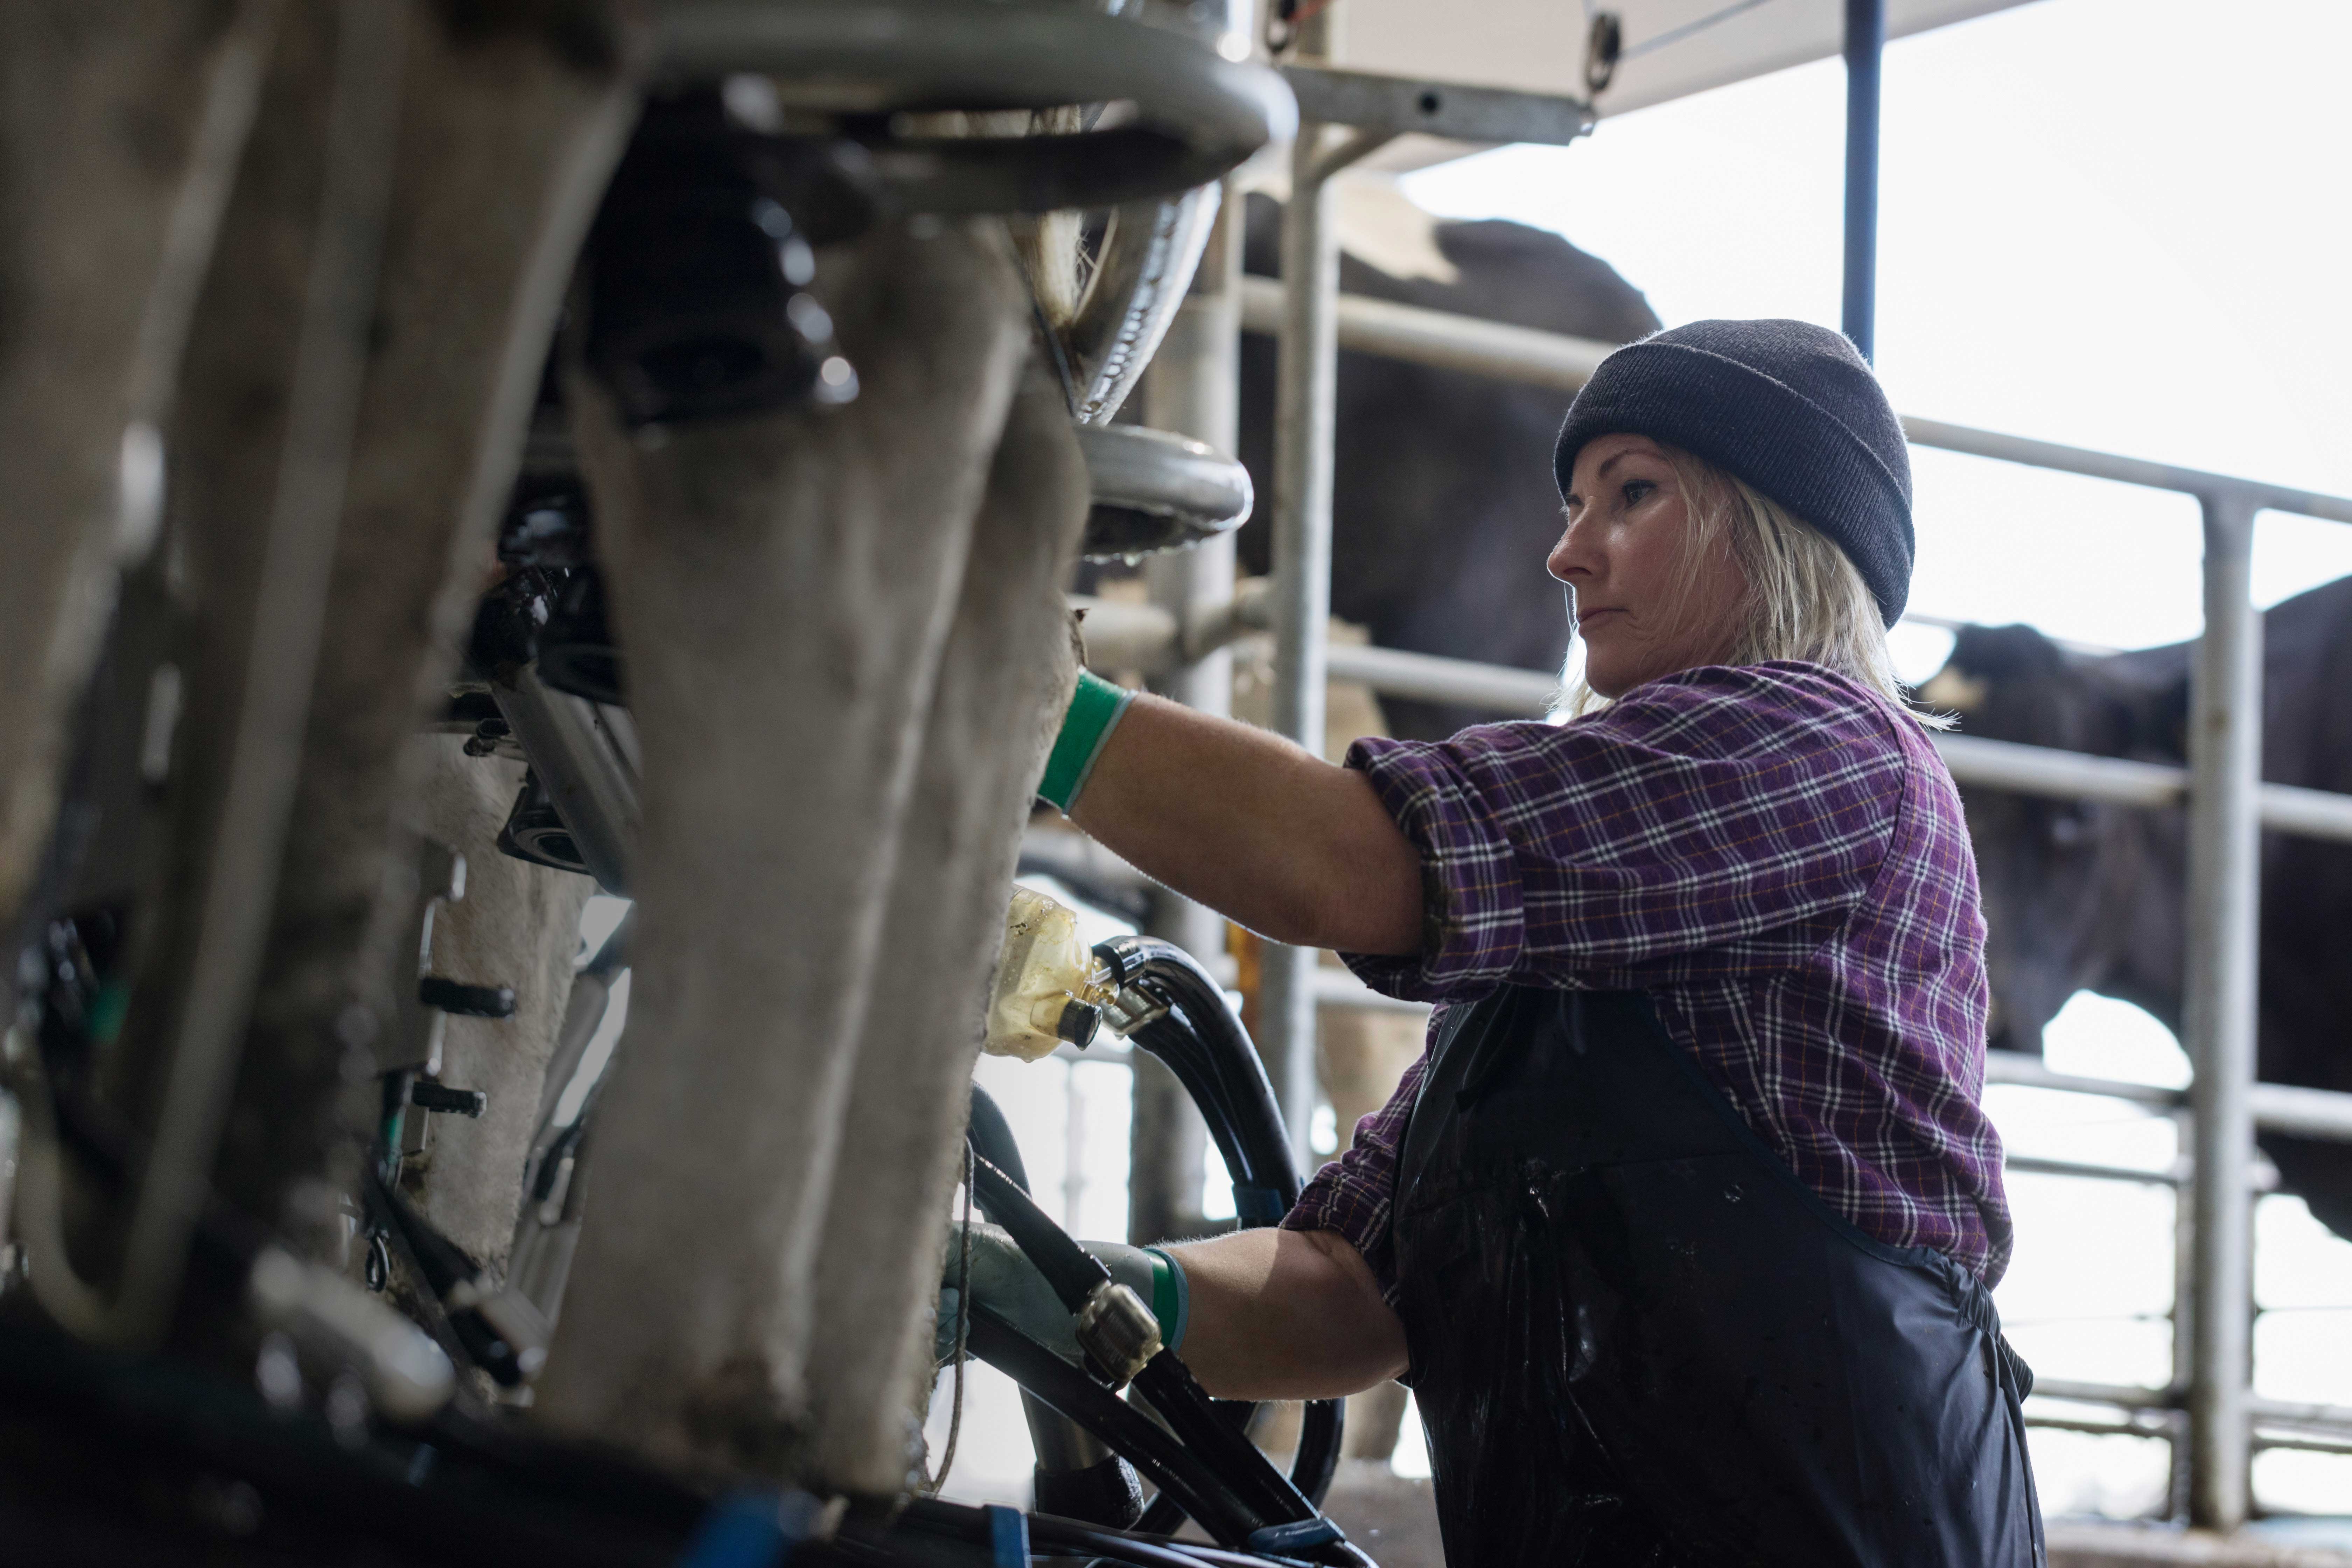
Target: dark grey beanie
[{"x": 1786, "y": 405}]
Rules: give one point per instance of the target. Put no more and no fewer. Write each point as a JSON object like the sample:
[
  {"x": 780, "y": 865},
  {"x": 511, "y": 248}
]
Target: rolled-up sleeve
[{"x": 1702, "y": 809}]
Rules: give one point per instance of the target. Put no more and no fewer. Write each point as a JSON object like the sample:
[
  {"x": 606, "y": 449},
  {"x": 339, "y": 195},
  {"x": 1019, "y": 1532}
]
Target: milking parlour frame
[{"x": 2208, "y": 1410}]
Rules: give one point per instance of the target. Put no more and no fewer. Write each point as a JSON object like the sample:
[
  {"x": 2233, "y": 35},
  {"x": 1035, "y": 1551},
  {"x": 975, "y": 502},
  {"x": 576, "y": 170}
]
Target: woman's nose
[{"x": 1567, "y": 559}]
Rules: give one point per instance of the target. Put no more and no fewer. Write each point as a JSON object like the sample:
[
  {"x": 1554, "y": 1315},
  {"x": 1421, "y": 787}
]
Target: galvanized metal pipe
[
  {"x": 1305, "y": 409},
  {"x": 1339, "y": 988},
  {"x": 1534, "y": 358},
  {"x": 2031, "y": 1072},
  {"x": 2296, "y": 1413},
  {"x": 2176, "y": 1175},
  {"x": 2122, "y": 1396},
  {"x": 1135, "y": 637},
  {"x": 1192, "y": 388},
  {"x": 2184, "y": 1319},
  {"x": 2225, "y": 759},
  {"x": 1442, "y": 339}
]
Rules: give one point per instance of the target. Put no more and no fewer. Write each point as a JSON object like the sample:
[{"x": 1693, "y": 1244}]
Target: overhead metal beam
[{"x": 1456, "y": 110}]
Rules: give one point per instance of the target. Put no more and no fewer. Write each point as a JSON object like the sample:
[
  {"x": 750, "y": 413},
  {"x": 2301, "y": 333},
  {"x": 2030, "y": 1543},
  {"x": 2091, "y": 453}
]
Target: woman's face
[{"x": 1645, "y": 601}]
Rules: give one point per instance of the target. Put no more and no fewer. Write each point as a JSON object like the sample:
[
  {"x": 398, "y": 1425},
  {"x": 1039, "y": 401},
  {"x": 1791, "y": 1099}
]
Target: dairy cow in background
[
  {"x": 2080, "y": 895},
  {"x": 1443, "y": 498}
]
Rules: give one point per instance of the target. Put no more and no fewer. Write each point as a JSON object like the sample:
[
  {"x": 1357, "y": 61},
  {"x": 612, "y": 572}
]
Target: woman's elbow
[
  {"x": 1348, "y": 914},
  {"x": 1378, "y": 906}
]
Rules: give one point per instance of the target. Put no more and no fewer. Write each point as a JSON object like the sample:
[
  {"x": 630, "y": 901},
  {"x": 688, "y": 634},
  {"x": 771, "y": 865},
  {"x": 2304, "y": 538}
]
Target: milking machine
[{"x": 768, "y": 132}]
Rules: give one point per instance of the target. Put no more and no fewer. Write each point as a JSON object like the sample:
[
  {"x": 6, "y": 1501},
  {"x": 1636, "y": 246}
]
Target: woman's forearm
[
  {"x": 1286, "y": 1314},
  {"x": 1256, "y": 828}
]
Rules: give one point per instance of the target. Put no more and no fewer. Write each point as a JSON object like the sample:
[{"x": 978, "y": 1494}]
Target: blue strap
[
  {"x": 753, "y": 1529},
  {"x": 1258, "y": 1206},
  {"x": 1296, "y": 1536},
  {"x": 1008, "y": 1537}
]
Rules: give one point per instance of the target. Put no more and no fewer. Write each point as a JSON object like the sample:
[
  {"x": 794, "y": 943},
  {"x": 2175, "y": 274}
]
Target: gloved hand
[{"x": 1004, "y": 1279}]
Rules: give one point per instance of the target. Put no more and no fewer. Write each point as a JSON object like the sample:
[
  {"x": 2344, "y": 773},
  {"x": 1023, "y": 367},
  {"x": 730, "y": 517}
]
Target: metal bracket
[
  {"x": 1153, "y": 491},
  {"x": 1455, "y": 110},
  {"x": 1117, "y": 1331}
]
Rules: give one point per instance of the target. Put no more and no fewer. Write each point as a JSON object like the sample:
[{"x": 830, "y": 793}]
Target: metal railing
[{"x": 2227, "y": 803}]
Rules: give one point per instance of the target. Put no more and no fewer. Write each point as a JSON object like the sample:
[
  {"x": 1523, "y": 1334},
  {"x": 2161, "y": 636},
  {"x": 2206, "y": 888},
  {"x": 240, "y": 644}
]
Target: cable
[
  {"x": 1166, "y": 1462},
  {"x": 963, "y": 1330}
]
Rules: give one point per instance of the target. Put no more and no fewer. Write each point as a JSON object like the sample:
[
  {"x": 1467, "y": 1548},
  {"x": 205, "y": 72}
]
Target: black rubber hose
[
  {"x": 1170, "y": 1465},
  {"x": 1205, "y": 1045},
  {"x": 1073, "y": 1271},
  {"x": 1053, "y": 1535},
  {"x": 445, "y": 1266},
  {"x": 992, "y": 1140},
  {"x": 1077, "y": 1537},
  {"x": 1320, "y": 1428},
  {"x": 1218, "y": 1463},
  {"x": 1104, "y": 1491},
  {"x": 1169, "y": 1384}
]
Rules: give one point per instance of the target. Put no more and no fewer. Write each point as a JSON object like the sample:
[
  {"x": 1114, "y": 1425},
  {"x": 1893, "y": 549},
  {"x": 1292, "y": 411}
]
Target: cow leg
[
  {"x": 784, "y": 585},
  {"x": 223, "y": 608},
  {"x": 518, "y": 925},
  {"x": 510, "y": 122},
  {"x": 1007, "y": 658},
  {"x": 369, "y": 273},
  {"x": 101, "y": 108}
]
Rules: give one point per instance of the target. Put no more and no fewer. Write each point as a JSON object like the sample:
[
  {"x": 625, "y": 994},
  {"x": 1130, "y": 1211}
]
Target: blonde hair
[{"x": 1805, "y": 600}]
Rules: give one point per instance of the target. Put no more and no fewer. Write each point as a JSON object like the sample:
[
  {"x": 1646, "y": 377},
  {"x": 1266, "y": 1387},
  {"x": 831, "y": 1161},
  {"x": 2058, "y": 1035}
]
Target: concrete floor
[{"x": 1395, "y": 1520}]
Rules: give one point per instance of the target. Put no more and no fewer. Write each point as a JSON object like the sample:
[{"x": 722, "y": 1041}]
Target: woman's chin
[{"x": 1606, "y": 679}]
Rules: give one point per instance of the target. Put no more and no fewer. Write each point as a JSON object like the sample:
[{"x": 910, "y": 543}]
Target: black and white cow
[{"x": 2084, "y": 896}]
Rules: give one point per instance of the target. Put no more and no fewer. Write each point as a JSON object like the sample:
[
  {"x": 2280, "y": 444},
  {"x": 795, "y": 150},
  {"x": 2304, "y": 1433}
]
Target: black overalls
[{"x": 1637, "y": 1338}]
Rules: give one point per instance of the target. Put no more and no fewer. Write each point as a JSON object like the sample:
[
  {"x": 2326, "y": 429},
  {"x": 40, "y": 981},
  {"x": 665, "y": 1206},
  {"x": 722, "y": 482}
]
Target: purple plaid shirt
[{"x": 1778, "y": 858}]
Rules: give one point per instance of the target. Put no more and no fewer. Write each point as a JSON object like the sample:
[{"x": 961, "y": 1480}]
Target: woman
[{"x": 1684, "y": 1228}]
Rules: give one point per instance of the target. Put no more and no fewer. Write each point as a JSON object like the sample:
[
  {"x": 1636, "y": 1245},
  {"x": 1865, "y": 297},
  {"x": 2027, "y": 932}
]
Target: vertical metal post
[
  {"x": 1194, "y": 388},
  {"x": 1306, "y": 380},
  {"x": 2225, "y": 769},
  {"x": 2184, "y": 1321},
  {"x": 1866, "y": 42}
]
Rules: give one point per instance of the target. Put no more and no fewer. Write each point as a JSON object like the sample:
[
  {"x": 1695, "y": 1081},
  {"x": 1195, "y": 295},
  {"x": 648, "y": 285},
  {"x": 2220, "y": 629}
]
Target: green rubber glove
[
  {"x": 1002, "y": 1277},
  {"x": 1096, "y": 708}
]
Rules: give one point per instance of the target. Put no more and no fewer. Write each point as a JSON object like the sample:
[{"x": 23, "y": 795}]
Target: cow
[
  {"x": 361, "y": 219},
  {"x": 2081, "y": 895},
  {"x": 1443, "y": 497}
]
